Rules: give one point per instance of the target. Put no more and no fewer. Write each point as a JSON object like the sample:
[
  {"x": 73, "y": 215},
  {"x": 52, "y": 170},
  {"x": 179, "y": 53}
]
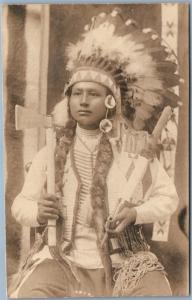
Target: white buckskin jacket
[{"x": 155, "y": 197}]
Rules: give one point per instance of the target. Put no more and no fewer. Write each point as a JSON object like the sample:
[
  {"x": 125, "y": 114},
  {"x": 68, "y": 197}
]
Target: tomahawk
[{"x": 26, "y": 118}]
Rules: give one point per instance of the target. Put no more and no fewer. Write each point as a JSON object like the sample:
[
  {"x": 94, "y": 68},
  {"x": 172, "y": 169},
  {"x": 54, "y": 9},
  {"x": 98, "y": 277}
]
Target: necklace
[{"x": 91, "y": 151}]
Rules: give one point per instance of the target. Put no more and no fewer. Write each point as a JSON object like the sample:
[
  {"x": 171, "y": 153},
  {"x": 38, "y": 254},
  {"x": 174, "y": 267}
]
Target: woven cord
[{"x": 131, "y": 271}]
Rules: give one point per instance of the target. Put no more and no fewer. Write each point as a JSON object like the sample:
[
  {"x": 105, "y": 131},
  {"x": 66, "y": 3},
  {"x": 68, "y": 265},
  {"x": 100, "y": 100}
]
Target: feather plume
[
  {"x": 60, "y": 113},
  {"x": 138, "y": 60}
]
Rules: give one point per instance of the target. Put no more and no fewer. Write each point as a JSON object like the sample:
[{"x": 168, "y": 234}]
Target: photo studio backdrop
[{"x": 34, "y": 41}]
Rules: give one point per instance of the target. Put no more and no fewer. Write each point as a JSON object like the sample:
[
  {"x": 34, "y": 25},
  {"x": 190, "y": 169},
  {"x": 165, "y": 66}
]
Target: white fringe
[{"x": 132, "y": 270}]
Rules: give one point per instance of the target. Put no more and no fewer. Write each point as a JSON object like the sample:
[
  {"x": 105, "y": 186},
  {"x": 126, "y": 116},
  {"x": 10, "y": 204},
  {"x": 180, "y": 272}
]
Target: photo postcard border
[{"x": 2, "y": 206}]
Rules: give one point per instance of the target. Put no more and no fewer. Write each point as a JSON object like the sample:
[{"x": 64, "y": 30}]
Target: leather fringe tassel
[{"x": 131, "y": 271}]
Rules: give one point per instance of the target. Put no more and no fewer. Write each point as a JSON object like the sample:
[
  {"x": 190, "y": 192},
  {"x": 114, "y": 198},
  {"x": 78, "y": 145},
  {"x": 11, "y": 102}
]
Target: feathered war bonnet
[{"x": 134, "y": 64}]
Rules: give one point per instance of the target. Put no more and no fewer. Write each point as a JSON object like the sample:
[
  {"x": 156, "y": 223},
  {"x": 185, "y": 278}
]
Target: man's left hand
[{"x": 126, "y": 216}]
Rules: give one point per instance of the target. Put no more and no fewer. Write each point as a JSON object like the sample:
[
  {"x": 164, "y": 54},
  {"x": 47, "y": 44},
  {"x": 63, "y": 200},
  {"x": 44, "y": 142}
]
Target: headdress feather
[{"x": 138, "y": 61}]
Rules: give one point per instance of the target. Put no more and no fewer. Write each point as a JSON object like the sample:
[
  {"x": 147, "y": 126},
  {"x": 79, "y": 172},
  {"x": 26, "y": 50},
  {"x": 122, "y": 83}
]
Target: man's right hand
[{"x": 48, "y": 208}]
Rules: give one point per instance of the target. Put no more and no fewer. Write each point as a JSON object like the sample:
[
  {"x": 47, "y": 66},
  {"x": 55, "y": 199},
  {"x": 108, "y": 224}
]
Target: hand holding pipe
[{"x": 141, "y": 165}]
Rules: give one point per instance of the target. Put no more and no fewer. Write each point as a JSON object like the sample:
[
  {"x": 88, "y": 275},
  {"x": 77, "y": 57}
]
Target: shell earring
[
  {"x": 110, "y": 102},
  {"x": 105, "y": 124}
]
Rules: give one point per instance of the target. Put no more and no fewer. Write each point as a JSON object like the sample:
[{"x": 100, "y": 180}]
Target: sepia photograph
[{"x": 96, "y": 149}]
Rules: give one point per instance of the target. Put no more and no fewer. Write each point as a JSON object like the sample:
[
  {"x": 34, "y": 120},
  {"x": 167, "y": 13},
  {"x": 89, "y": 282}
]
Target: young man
[{"x": 101, "y": 243}]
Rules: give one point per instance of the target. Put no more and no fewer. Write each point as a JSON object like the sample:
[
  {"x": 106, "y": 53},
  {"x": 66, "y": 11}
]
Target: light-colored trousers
[{"x": 48, "y": 280}]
